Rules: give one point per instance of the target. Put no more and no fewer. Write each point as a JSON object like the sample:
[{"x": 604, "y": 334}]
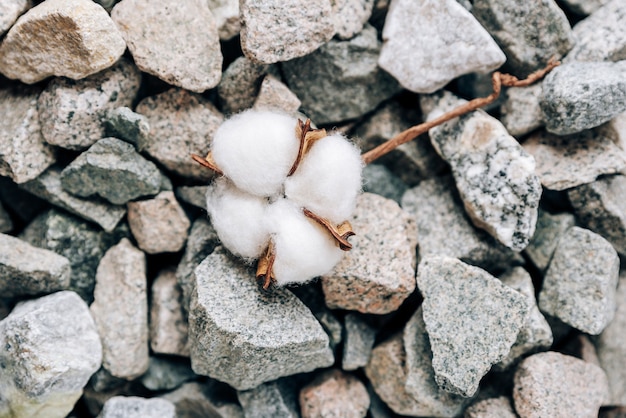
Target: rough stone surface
[
  {"x": 48, "y": 187},
  {"x": 378, "y": 274},
  {"x": 23, "y": 152},
  {"x": 27, "y": 270},
  {"x": 240, "y": 84},
  {"x": 584, "y": 7},
  {"x": 11, "y": 10},
  {"x": 472, "y": 320},
  {"x": 181, "y": 123},
  {"x": 493, "y": 173},
  {"x": 568, "y": 161},
  {"x": 68, "y": 38},
  {"x": 447, "y": 43},
  {"x": 120, "y": 309},
  {"x": 579, "y": 285},
  {"x": 6, "y": 224},
  {"x": 583, "y": 95},
  {"x": 49, "y": 347},
  {"x": 168, "y": 324},
  {"x": 224, "y": 345},
  {"x": 180, "y": 45},
  {"x": 273, "y": 31},
  {"x": 136, "y": 407},
  {"x": 530, "y": 34},
  {"x": 549, "y": 230},
  {"x": 274, "y": 399},
  {"x": 226, "y": 14},
  {"x": 125, "y": 124},
  {"x": 358, "y": 341},
  {"x": 166, "y": 373},
  {"x": 350, "y": 16},
  {"x": 552, "y": 384},
  {"x": 313, "y": 298},
  {"x": 193, "y": 195},
  {"x": 521, "y": 113},
  {"x": 334, "y": 394},
  {"x": 443, "y": 228},
  {"x": 491, "y": 408},
  {"x": 196, "y": 400},
  {"x": 379, "y": 180},
  {"x": 341, "y": 80},
  {"x": 275, "y": 95},
  {"x": 158, "y": 224}
]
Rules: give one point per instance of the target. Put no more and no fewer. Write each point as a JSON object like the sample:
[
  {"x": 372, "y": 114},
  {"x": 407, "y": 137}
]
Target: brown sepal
[
  {"x": 307, "y": 138},
  {"x": 265, "y": 267},
  {"x": 207, "y": 162},
  {"x": 341, "y": 232}
]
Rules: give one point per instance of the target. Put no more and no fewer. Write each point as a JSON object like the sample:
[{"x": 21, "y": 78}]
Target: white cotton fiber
[
  {"x": 256, "y": 149},
  {"x": 328, "y": 180},
  {"x": 304, "y": 249},
  {"x": 239, "y": 219}
]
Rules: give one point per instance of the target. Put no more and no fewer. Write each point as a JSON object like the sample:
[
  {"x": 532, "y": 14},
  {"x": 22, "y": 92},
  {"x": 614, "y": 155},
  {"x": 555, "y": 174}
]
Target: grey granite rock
[
  {"x": 6, "y": 224},
  {"x": 273, "y": 31},
  {"x": 378, "y": 274},
  {"x": 199, "y": 400},
  {"x": 530, "y": 34},
  {"x": 552, "y": 384},
  {"x": 240, "y": 84},
  {"x": 57, "y": 38},
  {"x": 120, "y": 309},
  {"x": 275, "y": 95},
  {"x": 583, "y": 95},
  {"x": 358, "y": 341},
  {"x": 226, "y": 14},
  {"x": 334, "y": 394},
  {"x": 313, "y": 298},
  {"x": 48, "y": 187},
  {"x": 549, "y": 230},
  {"x": 472, "y": 320},
  {"x": 193, "y": 195},
  {"x": 569, "y": 161},
  {"x": 166, "y": 373},
  {"x": 443, "y": 227},
  {"x": 159, "y": 224},
  {"x": 494, "y": 175},
  {"x": 447, "y": 42},
  {"x": 491, "y": 408},
  {"x": 48, "y": 349},
  {"x": 521, "y": 113},
  {"x": 379, "y": 180},
  {"x": 71, "y": 112},
  {"x": 180, "y": 45},
  {"x": 125, "y": 124},
  {"x": 350, "y": 16},
  {"x": 584, "y": 7},
  {"x": 168, "y": 322},
  {"x": 341, "y": 80},
  {"x": 11, "y": 10},
  {"x": 28, "y": 270},
  {"x": 616, "y": 130},
  {"x": 233, "y": 324},
  {"x": 181, "y": 123},
  {"x": 579, "y": 285},
  {"x": 277, "y": 399},
  {"x": 136, "y": 407},
  {"x": 23, "y": 152}
]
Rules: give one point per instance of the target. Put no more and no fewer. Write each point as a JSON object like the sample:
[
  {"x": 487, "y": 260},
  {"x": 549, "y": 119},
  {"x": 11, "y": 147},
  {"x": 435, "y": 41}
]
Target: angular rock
[
  {"x": 240, "y": 85},
  {"x": 125, "y": 124},
  {"x": 48, "y": 187},
  {"x": 11, "y": 10},
  {"x": 472, "y": 321},
  {"x": 273, "y": 31},
  {"x": 493, "y": 173},
  {"x": 226, "y": 14},
  {"x": 49, "y": 347},
  {"x": 379, "y": 180},
  {"x": 6, "y": 224},
  {"x": 579, "y": 285},
  {"x": 120, "y": 309},
  {"x": 378, "y": 274},
  {"x": 181, "y": 123},
  {"x": 193, "y": 195},
  {"x": 23, "y": 152},
  {"x": 358, "y": 342},
  {"x": 521, "y": 113},
  {"x": 552, "y": 384},
  {"x": 277, "y": 399},
  {"x": 275, "y": 95},
  {"x": 159, "y": 224},
  {"x": 584, "y": 7},
  {"x": 491, "y": 408},
  {"x": 180, "y": 45},
  {"x": 447, "y": 43},
  {"x": 569, "y": 161},
  {"x": 313, "y": 298},
  {"x": 350, "y": 16},
  {"x": 136, "y": 407},
  {"x": 168, "y": 323},
  {"x": 196, "y": 400},
  {"x": 27, "y": 270},
  {"x": 223, "y": 344},
  {"x": 529, "y": 34},
  {"x": 357, "y": 84},
  {"x": 582, "y": 95},
  {"x": 549, "y": 230},
  {"x": 334, "y": 394},
  {"x": 65, "y": 38},
  {"x": 166, "y": 373}
]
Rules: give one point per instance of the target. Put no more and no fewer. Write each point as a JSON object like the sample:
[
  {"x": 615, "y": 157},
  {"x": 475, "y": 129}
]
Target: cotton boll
[
  {"x": 239, "y": 219},
  {"x": 256, "y": 150},
  {"x": 328, "y": 179},
  {"x": 304, "y": 249}
]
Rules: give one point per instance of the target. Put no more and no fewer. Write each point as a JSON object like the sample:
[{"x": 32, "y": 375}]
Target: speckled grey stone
[
  {"x": 579, "y": 285},
  {"x": 48, "y": 349},
  {"x": 350, "y": 16},
  {"x": 180, "y": 45},
  {"x": 357, "y": 84},
  {"x": 275, "y": 95},
  {"x": 166, "y": 373},
  {"x": 443, "y": 228},
  {"x": 313, "y": 298},
  {"x": 447, "y": 43},
  {"x": 226, "y": 14},
  {"x": 48, "y": 187},
  {"x": 6, "y": 223},
  {"x": 273, "y": 31},
  {"x": 530, "y": 34},
  {"x": 583, "y": 95},
  {"x": 233, "y": 324},
  {"x": 569, "y": 161},
  {"x": 120, "y": 309},
  {"x": 168, "y": 322},
  {"x": 521, "y": 113},
  {"x": 28, "y": 270},
  {"x": 240, "y": 85},
  {"x": 71, "y": 112},
  {"x": 491, "y": 408},
  {"x": 358, "y": 341},
  {"x": 181, "y": 124},
  {"x": 136, "y": 407},
  {"x": 199, "y": 400},
  {"x": 125, "y": 124},
  {"x": 334, "y": 393},
  {"x": 552, "y": 384},
  {"x": 472, "y": 320},
  {"x": 274, "y": 399},
  {"x": 11, "y": 10},
  {"x": 59, "y": 38},
  {"x": 378, "y": 274},
  {"x": 23, "y": 152},
  {"x": 584, "y": 7},
  {"x": 193, "y": 195},
  {"x": 549, "y": 229},
  {"x": 379, "y": 180},
  {"x": 494, "y": 175}
]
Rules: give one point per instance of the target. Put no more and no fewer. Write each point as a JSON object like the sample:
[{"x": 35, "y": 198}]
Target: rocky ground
[{"x": 484, "y": 279}]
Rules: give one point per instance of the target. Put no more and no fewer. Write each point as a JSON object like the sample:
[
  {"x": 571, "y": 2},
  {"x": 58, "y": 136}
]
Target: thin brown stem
[
  {"x": 265, "y": 267},
  {"x": 307, "y": 138},
  {"x": 207, "y": 162}
]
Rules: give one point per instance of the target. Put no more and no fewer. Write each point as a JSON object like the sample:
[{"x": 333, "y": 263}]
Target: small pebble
[
  {"x": 521, "y": 113},
  {"x": 125, "y": 124},
  {"x": 168, "y": 322},
  {"x": 193, "y": 195},
  {"x": 278, "y": 399},
  {"x": 240, "y": 85},
  {"x": 358, "y": 341},
  {"x": 549, "y": 230},
  {"x": 350, "y": 16},
  {"x": 334, "y": 394},
  {"x": 136, "y": 407},
  {"x": 275, "y": 95}
]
